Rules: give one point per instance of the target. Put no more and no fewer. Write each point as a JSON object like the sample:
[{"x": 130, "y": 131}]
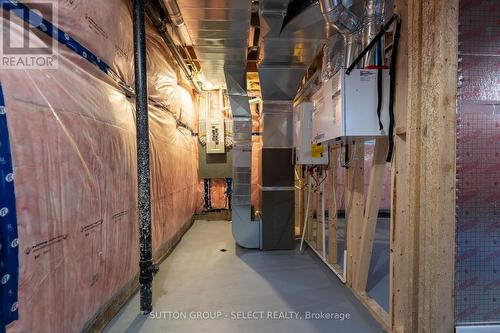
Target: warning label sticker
[{"x": 317, "y": 150}]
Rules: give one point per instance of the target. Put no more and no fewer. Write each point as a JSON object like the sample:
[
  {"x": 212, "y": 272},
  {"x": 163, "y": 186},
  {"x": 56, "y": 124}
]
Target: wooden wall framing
[{"x": 422, "y": 234}]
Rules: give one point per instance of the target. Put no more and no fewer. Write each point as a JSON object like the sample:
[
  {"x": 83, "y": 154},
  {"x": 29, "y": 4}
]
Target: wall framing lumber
[
  {"x": 423, "y": 223},
  {"x": 422, "y": 234},
  {"x": 369, "y": 223},
  {"x": 401, "y": 300},
  {"x": 375, "y": 309},
  {"x": 355, "y": 205},
  {"x": 299, "y": 200},
  {"x": 310, "y": 212},
  {"x": 319, "y": 212},
  {"x": 333, "y": 158}
]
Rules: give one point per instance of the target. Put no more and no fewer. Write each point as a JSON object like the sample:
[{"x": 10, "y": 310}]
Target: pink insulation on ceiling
[{"x": 74, "y": 150}]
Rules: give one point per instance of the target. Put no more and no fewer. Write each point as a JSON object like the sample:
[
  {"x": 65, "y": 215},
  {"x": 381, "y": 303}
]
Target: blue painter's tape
[
  {"x": 30, "y": 16},
  {"x": 48, "y": 28},
  {"x": 229, "y": 192},
  {"x": 207, "y": 196},
  {"x": 9, "y": 244}
]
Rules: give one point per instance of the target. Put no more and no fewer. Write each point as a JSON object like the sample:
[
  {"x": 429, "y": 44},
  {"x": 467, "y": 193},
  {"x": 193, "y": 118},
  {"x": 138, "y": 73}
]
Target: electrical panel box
[
  {"x": 215, "y": 137},
  {"x": 345, "y": 107},
  {"x": 306, "y": 152}
]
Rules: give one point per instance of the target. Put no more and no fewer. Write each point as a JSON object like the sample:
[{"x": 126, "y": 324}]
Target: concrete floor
[
  {"x": 378, "y": 276},
  {"x": 199, "y": 279}
]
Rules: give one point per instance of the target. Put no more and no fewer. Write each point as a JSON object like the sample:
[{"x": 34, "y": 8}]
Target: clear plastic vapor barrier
[{"x": 73, "y": 141}]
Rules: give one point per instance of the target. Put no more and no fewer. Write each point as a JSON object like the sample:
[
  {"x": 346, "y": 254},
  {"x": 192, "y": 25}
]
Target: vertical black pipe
[{"x": 143, "y": 173}]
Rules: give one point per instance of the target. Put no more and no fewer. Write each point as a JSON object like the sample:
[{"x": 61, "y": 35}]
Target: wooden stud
[
  {"x": 401, "y": 300},
  {"x": 375, "y": 309},
  {"x": 310, "y": 212},
  {"x": 423, "y": 226},
  {"x": 355, "y": 207},
  {"x": 319, "y": 214},
  {"x": 374, "y": 197},
  {"x": 332, "y": 204},
  {"x": 299, "y": 200},
  {"x": 431, "y": 140}
]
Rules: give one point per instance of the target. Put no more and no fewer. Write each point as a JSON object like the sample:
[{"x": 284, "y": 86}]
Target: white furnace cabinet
[
  {"x": 345, "y": 107},
  {"x": 306, "y": 153}
]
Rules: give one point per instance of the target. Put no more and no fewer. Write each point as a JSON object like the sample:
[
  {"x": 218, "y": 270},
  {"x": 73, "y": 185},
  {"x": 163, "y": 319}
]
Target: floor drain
[{"x": 223, "y": 250}]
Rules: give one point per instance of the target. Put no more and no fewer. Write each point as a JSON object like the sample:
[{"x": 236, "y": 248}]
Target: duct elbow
[
  {"x": 246, "y": 234},
  {"x": 337, "y": 15}
]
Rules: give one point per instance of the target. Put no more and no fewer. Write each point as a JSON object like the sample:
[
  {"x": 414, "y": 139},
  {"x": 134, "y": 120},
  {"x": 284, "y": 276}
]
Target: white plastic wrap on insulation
[{"x": 74, "y": 150}]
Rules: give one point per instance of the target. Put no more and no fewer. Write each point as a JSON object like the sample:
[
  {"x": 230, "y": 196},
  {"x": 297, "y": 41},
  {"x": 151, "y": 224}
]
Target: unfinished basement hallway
[
  {"x": 250, "y": 166},
  {"x": 200, "y": 278}
]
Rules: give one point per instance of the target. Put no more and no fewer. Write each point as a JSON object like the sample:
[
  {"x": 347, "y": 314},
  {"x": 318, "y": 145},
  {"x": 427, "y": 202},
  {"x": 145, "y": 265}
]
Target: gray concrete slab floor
[{"x": 198, "y": 279}]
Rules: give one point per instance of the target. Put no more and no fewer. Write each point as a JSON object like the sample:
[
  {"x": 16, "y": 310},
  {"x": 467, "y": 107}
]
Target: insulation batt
[
  {"x": 74, "y": 150},
  {"x": 385, "y": 202}
]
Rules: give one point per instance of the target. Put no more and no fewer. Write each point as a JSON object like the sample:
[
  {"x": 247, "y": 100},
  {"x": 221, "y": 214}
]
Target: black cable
[
  {"x": 370, "y": 46},
  {"x": 392, "y": 73},
  {"x": 379, "y": 63}
]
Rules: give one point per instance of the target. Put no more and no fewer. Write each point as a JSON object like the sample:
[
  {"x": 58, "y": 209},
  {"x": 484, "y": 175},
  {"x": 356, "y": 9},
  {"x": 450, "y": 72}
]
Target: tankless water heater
[{"x": 345, "y": 107}]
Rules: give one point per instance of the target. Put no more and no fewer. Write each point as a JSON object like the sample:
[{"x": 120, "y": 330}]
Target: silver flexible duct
[
  {"x": 336, "y": 14},
  {"x": 374, "y": 15},
  {"x": 333, "y": 56},
  {"x": 348, "y": 25}
]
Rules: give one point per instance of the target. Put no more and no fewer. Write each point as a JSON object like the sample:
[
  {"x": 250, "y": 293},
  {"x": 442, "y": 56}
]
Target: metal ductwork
[
  {"x": 339, "y": 17},
  {"x": 333, "y": 55},
  {"x": 288, "y": 47},
  {"x": 216, "y": 29},
  {"x": 345, "y": 22},
  {"x": 158, "y": 13},
  {"x": 374, "y": 16},
  {"x": 245, "y": 231},
  {"x": 219, "y": 31},
  {"x": 175, "y": 17},
  {"x": 336, "y": 14}
]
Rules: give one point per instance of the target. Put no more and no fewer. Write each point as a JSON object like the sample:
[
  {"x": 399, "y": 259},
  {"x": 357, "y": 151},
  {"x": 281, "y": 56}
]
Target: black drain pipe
[{"x": 147, "y": 269}]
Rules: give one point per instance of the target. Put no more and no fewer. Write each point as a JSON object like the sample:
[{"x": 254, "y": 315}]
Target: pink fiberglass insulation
[
  {"x": 256, "y": 172},
  {"x": 74, "y": 149},
  {"x": 218, "y": 196},
  {"x": 385, "y": 202},
  {"x": 257, "y": 145}
]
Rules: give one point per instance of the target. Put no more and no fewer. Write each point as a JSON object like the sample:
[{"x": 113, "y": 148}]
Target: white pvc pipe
[
  {"x": 306, "y": 215},
  {"x": 323, "y": 217}
]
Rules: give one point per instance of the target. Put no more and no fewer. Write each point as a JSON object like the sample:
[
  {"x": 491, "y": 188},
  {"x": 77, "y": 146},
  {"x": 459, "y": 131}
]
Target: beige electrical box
[{"x": 215, "y": 137}]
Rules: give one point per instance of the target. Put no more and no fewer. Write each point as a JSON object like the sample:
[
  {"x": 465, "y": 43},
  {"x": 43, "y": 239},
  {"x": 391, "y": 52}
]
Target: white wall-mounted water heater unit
[
  {"x": 306, "y": 152},
  {"x": 345, "y": 107}
]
